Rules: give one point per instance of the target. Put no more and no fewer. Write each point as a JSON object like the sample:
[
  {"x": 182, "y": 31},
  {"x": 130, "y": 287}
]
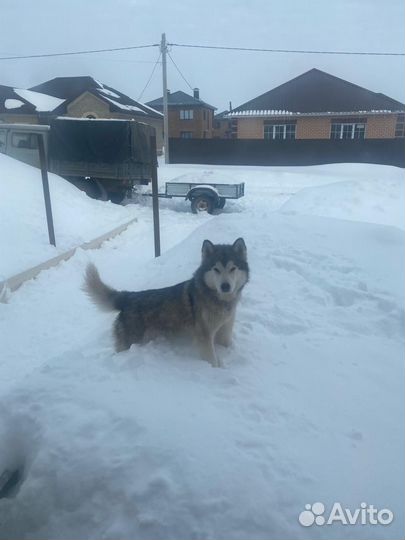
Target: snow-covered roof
[
  {"x": 13, "y": 103},
  {"x": 267, "y": 113},
  {"x": 41, "y": 102},
  {"x": 24, "y": 101},
  {"x": 71, "y": 88}
]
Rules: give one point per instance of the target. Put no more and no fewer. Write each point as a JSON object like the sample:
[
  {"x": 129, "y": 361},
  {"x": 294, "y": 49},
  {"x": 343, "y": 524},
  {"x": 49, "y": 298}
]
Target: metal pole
[
  {"x": 163, "y": 49},
  {"x": 45, "y": 187},
  {"x": 155, "y": 198}
]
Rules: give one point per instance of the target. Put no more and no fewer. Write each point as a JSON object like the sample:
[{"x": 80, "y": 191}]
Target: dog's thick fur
[{"x": 205, "y": 305}]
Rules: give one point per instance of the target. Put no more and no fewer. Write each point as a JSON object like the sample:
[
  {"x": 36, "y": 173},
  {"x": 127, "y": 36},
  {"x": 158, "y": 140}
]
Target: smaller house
[
  {"x": 314, "y": 105},
  {"x": 85, "y": 97},
  {"x": 76, "y": 97},
  {"x": 189, "y": 116}
]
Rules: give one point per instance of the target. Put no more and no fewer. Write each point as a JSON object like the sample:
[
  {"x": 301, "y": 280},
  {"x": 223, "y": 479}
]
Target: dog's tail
[{"x": 101, "y": 294}]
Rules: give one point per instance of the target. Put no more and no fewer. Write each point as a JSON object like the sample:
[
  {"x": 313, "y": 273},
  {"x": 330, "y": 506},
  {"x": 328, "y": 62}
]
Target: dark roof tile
[
  {"x": 179, "y": 98},
  {"x": 318, "y": 92}
]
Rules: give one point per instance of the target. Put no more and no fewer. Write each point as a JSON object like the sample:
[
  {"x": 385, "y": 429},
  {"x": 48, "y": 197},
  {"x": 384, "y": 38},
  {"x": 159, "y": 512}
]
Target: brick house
[
  {"x": 314, "y": 105},
  {"x": 80, "y": 97},
  {"x": 189, "y": 116}
]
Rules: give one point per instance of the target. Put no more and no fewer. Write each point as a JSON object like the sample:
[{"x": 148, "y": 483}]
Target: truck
[{"x": 105, "y": 158}]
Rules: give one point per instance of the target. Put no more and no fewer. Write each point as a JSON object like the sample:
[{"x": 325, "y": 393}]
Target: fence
[{"x": 288, "y": 152}]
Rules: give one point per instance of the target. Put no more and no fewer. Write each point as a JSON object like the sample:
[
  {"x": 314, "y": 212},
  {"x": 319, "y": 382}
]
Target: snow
[
  {"x": 123, "y": 106},
  {"x": 131, "y": 107},
  {"x": 153, "y": 443},
  {"x": 108, "y": 93},
  {"x": 24, "y": 240},
  {"x": 13, "y": 104},
  {"x": 369, "y": 200},
  {"x": 41, "y": 102},
  {"x": 282, "y": 112}
]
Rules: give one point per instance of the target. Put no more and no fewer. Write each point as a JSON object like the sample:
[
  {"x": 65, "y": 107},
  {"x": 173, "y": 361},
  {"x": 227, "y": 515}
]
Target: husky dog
[{"x": 203, "y": 306}]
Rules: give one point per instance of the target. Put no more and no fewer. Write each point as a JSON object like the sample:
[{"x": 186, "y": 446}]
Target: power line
[
  {"x": 47, "y": 55},
  {"x": 188, "y": 45},
  {"x": 284, "y": 50},
  {"x": 180, "y": 73},
  {"x": 150, "y": 78}
]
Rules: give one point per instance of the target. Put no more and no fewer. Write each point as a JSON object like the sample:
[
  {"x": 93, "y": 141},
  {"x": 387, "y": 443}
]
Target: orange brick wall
[
  {"x": 19, "y": 118},
  {"x": 197, "y": 125},
  {"x": 313, "y": 128},
  {"x": 381, "y": 126},
  {"x": 250, "y": 128}
]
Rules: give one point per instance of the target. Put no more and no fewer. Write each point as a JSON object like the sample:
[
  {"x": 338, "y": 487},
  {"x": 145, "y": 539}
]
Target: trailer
[{"x": 204, "y": 197}]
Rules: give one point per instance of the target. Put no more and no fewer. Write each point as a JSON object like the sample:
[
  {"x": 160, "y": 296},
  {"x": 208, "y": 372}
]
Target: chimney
[
  {"x": 196, "y": 93},
  {"x": 230, "y": 106}
]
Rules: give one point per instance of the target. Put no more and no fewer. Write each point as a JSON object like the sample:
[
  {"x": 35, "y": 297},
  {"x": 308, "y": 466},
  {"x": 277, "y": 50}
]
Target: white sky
[{"x": 43, "y": 26}]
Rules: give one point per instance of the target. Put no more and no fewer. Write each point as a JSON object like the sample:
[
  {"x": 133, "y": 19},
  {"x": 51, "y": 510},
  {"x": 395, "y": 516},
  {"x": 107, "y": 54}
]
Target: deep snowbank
[
  {"x": 24, "y": 234},
  {"x": 376, "y": 200},
  {"x": 154, "y": 443}
]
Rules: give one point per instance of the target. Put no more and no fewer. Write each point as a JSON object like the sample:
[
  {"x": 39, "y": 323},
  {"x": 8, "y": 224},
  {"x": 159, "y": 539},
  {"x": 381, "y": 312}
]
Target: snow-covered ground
[{"x": 154, "y": 443}]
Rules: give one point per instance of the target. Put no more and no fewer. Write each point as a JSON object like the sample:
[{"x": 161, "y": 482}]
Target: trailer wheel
[
  {"x": 221, "y": 202},
  {"x": 202, "y": 203}
]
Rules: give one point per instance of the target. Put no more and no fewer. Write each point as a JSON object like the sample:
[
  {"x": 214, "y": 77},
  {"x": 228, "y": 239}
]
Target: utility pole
[{"x": 163, "y": 50}]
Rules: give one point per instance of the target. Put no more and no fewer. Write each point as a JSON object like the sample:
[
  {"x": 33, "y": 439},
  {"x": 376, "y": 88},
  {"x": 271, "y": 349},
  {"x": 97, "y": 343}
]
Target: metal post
[
  {"x": 163, "y": 49},
  {"x": 155, "y": 198},
  {"x": 45, "y": 186}
]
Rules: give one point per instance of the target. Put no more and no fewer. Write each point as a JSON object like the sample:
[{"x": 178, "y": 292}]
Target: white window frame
[
  {"x": 352, "y": 125},
  {"x": 273, "y": 132},
  {"x": 186, "y": 114}
]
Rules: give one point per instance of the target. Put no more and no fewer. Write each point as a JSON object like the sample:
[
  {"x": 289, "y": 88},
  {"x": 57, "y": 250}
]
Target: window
[
  {"x": 24, "y": 140},
  {"x": 279, "y": 131},
  {"x": 234, "y": 129},
  {"x": 186, "y": 114},
  {"x": 399, "y": 127},
  {"x": 186, "y": 134},
  {"x": 3, "y": 135},
  {"x": 347, "y": 130}
]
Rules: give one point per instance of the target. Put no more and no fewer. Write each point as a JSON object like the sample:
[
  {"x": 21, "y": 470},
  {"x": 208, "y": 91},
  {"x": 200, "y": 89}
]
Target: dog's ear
[
  {"x": 239, "y": 247},
  {"x": 207, "y": 249}
]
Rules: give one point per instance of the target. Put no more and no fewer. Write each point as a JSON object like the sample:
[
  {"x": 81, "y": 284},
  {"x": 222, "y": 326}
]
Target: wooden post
[
  {"x": 45, "y": 186},
  {"x": 155, "y": 197},
  {"x": 163, "y": 50}
]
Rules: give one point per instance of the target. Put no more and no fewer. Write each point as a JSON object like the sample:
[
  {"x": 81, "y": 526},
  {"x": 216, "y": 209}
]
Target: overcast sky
[{"x": 44, "y": 26}]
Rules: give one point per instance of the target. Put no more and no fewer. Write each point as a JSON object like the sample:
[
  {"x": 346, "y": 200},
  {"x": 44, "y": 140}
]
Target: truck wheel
[
  {"x": 221, "y": 202},
  {"x": 202, "y": 203},
  {"x": 116, "y": 198},
  {"x": 99, "y": 190}
]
